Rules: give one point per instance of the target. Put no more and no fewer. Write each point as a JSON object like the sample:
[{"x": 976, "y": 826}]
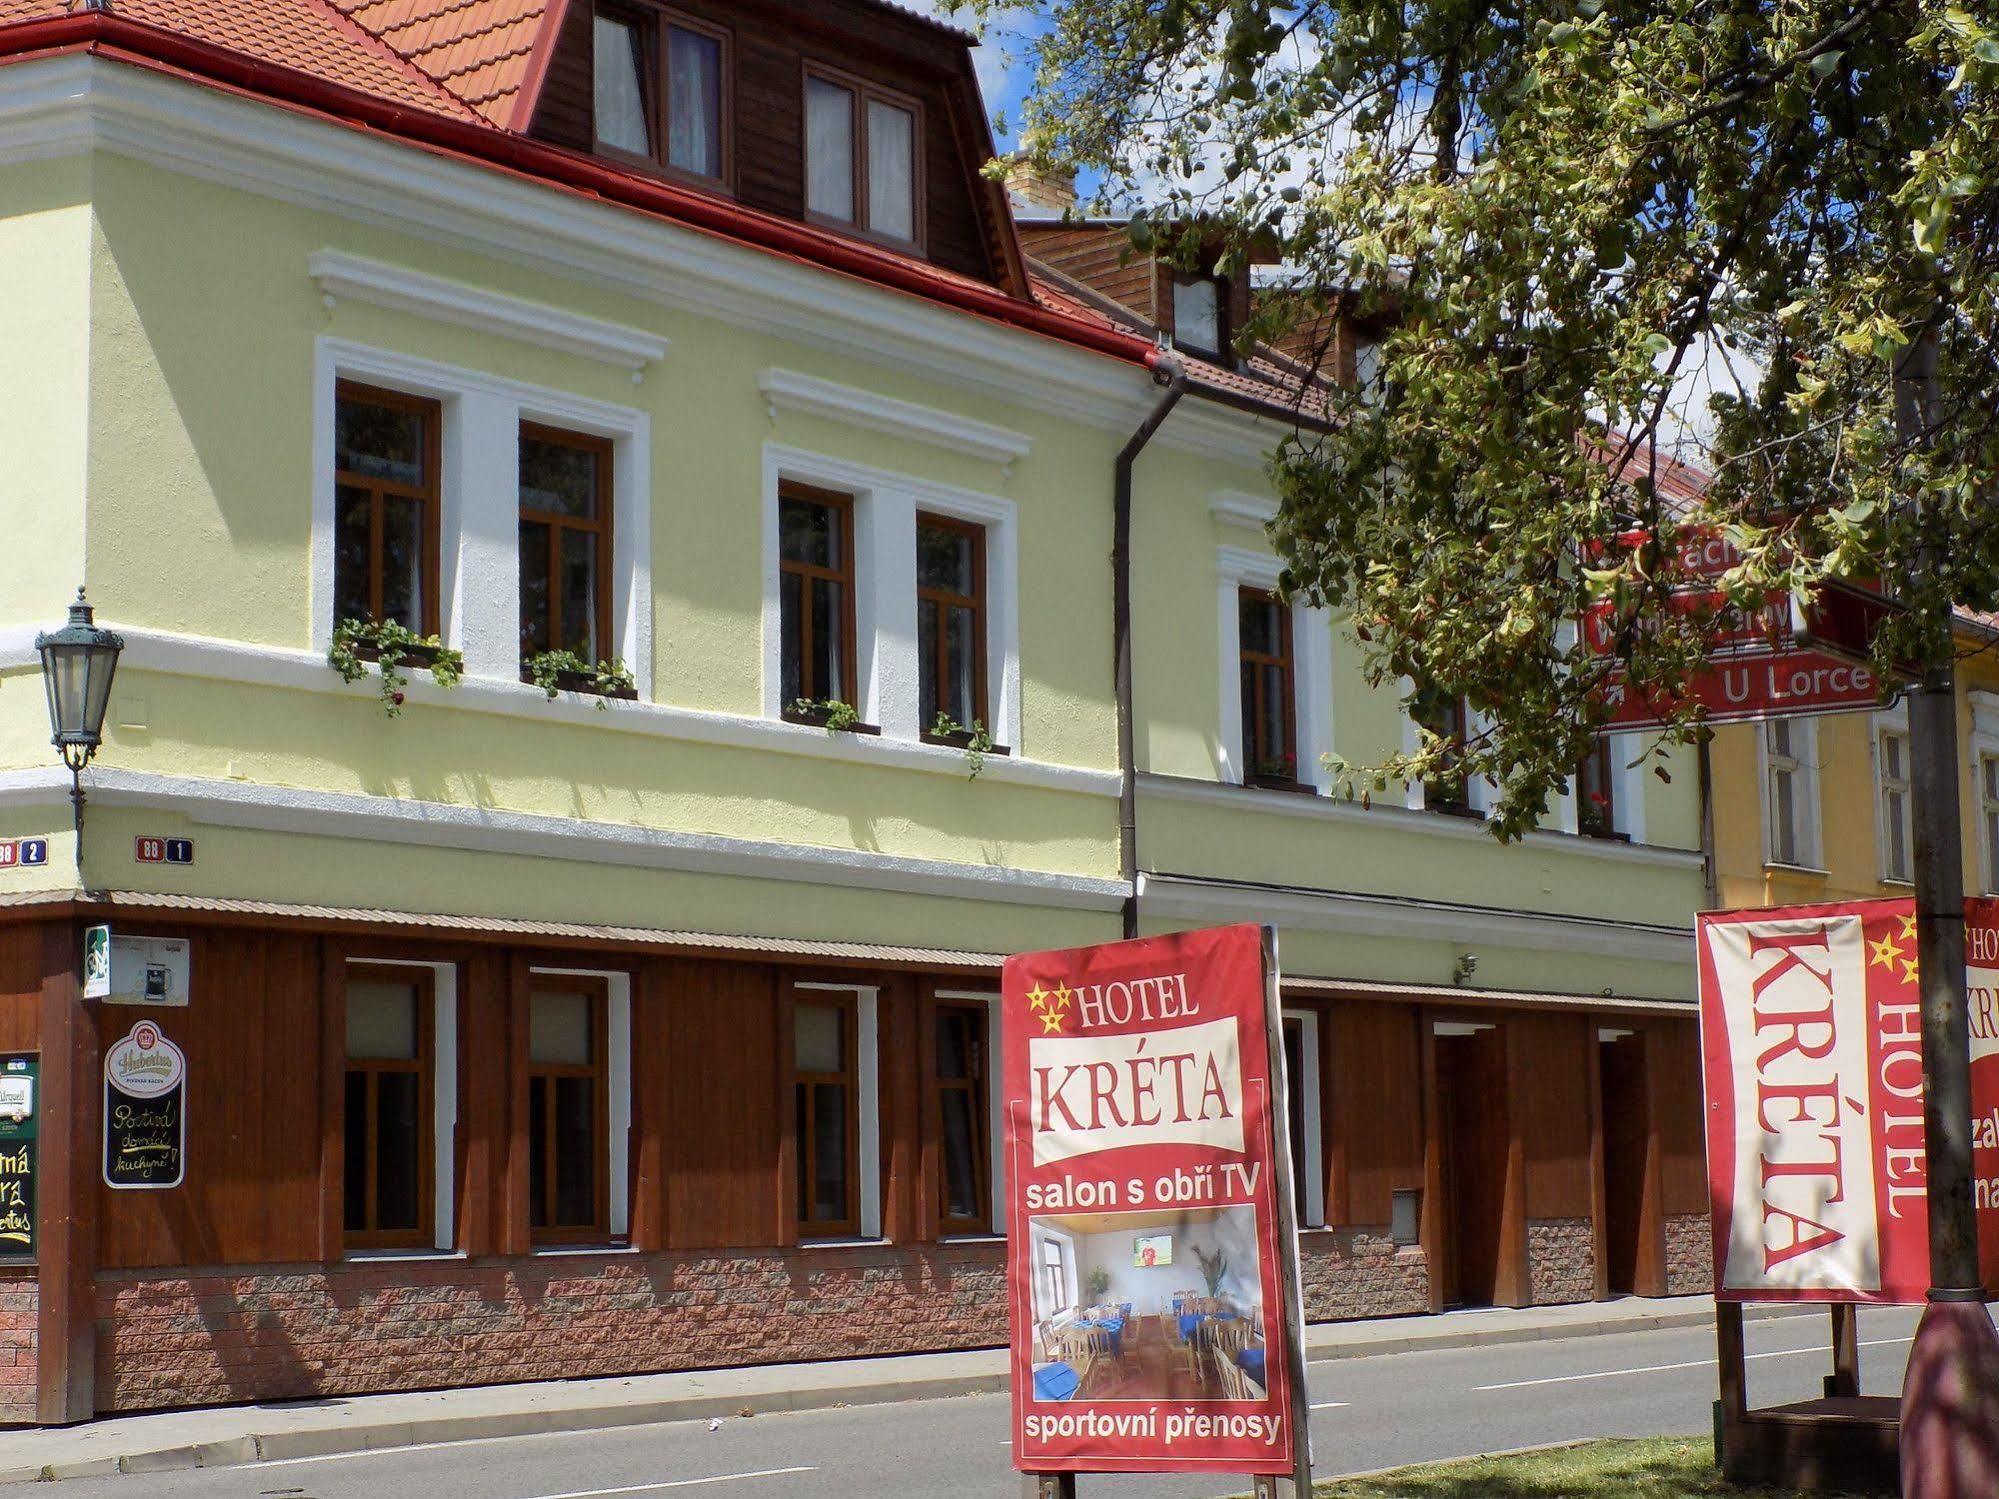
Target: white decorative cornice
[
  {"x": 788, "y": 390},
  {"x": 1354, "y": 913},
  {"x": 355, "y": 278},
  {"x": 384, "y": 819},
  {"x": 305, "y": 671},
  {"x": 1240, "y": 507},
  {"x": 73, "y": 104}
]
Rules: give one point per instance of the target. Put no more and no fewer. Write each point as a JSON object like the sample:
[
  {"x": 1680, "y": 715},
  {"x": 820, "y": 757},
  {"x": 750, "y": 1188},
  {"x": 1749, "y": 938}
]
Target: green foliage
[
  {"x": 977, "y": 743},
  {"x": 1557, "y": 213},
  {"x": 830, "y": 713},
  {"x": 1097, "y": 1283},
  {"x": 389, "y": 643},
  {"x": 1214, "y": 1266},
  {"x": 608, "y": 679},
  {"x": 1653, "y": 1468}
]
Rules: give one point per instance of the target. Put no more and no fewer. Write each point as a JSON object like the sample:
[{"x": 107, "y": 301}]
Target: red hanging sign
[
  {"x": 1145, "y": 1269},
  {"x": 1811, "y": 1040}
]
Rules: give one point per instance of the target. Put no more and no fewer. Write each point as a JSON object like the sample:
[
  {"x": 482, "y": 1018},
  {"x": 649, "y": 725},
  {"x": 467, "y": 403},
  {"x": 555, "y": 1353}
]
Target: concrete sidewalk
[{"x": 237, "y": 1434}]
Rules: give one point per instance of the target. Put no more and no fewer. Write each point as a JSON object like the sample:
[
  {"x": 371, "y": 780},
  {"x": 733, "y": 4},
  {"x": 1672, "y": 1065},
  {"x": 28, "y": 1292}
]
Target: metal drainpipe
[{"x": 1169, "y": 372}]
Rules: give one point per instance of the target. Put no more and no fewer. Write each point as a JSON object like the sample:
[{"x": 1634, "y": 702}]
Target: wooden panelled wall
[
  {"x": 711, "y": 1149},
  {"x": 772, "y": 43}
]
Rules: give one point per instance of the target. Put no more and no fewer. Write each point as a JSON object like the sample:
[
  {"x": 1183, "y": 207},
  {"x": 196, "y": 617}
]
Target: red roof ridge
[{"x": 346, "y": 22}]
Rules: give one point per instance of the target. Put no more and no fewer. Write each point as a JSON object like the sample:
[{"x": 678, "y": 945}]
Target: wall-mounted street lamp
[{"x": 78, "y": 662}]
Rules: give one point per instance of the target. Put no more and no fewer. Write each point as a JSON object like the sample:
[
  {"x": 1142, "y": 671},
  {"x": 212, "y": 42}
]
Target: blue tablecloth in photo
[
  {"x": 1250, "y": 1361},
  {"x": 1113, "y": 1326},
  {"x": 1191, "y": 1320},
  {"x": 1055, "y": 1382}
]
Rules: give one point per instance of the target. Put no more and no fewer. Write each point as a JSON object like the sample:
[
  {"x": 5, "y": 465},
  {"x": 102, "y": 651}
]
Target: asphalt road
[{"x": 1367, "y": 1413}]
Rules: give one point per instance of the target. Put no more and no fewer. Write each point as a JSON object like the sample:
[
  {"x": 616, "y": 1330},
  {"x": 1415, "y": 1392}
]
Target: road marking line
[
  {"x": 675, "y": 1483},
  {"x": 1330, "y": 1405},
  {"x": 1699, "y": 1363}
]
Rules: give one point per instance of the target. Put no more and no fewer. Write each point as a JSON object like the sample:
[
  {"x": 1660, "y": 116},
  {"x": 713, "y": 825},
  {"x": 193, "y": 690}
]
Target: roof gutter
[
  {"x": 145, "y": 45},
  {"x": 1172, "y": 374}
]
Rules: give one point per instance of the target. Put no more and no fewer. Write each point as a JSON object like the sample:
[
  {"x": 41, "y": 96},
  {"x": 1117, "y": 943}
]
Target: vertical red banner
[
  {"x": 1145, "y": 1271},
  {"x": 1811, "y": 1040}
]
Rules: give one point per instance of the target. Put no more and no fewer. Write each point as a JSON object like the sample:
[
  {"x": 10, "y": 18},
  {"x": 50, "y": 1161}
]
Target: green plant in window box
[
  {"x": 974, "y": 739},
  {"x": 389, "y": 643},
  {"x": 553, "y": 671},
  {"x": 830, "y": 714}
]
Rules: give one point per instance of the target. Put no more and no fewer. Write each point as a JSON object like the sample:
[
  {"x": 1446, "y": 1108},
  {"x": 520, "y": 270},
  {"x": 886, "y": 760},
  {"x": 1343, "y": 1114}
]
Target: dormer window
[
  {"x": 860, "y": 157},
  {"x": 1199, "y": 315},
  {"x": 662, "y": 90}
]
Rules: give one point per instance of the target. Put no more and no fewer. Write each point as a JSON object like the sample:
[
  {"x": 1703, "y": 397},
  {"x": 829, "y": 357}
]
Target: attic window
[
  {"x": 1198, "y": 314},
  {"x": 860, "y": 157},
  {"x": 662, "y": 91}
]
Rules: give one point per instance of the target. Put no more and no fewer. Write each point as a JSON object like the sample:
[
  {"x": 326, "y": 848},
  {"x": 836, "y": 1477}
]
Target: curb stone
[{"x": 280, "y": 1446}]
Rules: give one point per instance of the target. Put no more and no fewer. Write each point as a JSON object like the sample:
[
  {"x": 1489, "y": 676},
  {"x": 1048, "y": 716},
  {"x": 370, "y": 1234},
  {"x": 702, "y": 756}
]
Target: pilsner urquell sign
[
  {"x": 1145, "y": 1271},
  {"x": 1811, "y": 1040}
]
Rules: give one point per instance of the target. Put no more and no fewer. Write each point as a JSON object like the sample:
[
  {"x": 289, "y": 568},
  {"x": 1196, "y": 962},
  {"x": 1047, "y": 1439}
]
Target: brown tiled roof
[
  {"x": 480, "y": 51},
  {"x": 313, "y": 36}
]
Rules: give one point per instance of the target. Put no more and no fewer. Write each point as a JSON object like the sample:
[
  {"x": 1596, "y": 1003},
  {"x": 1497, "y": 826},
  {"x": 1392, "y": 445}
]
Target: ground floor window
[
  {"x": 391, "y": 1055},
  {"x": 964, "y": 1152},
  {"x": 825, "y": 1057},
  {"x": 568, "y": 1108}
]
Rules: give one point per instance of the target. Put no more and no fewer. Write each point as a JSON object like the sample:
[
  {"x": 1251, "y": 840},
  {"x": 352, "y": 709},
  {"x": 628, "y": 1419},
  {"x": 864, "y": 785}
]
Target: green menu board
[{"x": 20, "y": 1113}]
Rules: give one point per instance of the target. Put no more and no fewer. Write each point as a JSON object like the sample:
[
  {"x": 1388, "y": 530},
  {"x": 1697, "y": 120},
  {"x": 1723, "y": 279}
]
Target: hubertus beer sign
[
  {"x": 1811, "y": 1039},
  {"x": 1149, "y": 1273}
]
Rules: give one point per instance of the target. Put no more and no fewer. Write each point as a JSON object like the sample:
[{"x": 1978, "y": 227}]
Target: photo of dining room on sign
[{"x": 1148, "y": 1306}]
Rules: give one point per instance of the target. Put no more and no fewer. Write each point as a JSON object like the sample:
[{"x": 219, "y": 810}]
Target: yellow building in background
[{"x": 1818, "y": 809}]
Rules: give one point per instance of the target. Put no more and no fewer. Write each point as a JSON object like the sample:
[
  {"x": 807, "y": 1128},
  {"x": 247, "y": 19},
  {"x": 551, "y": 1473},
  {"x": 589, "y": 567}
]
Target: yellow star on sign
[
  {"x": 1051, "y": 1022},
  {"x": 1037, "y": 997},
  {"x": 1909, "y": 926},
  {"x": 1908, "y": 970},
  {"x": 1063, "y": 993},
  {"x": 1885, "y": 953}
]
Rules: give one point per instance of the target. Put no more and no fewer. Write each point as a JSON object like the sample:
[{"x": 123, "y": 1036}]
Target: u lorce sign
[{"x": 1811, "y": 1039}]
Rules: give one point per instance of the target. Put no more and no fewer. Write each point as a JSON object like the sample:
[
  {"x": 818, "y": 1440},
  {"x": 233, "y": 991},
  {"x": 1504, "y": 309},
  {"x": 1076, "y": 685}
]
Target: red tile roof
[
  {"x": 309, "y": 35},
  {"x": 480, "y": 51}
]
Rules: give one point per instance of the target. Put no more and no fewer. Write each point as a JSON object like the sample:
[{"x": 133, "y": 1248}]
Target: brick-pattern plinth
[
  {"x": 285, "y": 1332},
  {"x": 1561, "y": 1260},
  {"x": 1689, "y": 1255},
  {"x": 1360, "y": 1272},
  {"x": 18, "y": 1306}
]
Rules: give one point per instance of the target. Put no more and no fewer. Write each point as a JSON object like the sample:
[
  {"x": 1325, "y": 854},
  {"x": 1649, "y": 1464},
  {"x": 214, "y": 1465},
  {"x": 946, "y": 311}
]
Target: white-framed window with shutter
[
  {"x": 1894, "y": 823},
  {"x": 1790, "y": 793}
]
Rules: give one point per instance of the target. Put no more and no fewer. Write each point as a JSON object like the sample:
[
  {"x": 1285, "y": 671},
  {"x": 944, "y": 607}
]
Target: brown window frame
[
  {"x": 652, "y": 22},
  {"x": 1253, "y": 750},
  {"x": 1592, "y": 821},
  {"x": 430, "y": 495},
  {"x": 1224, "y": 351},
  {"x": 842, "y": 505},
  {"x": 863, "y": 90},
  {"x": 543, "y": 1075},
  {"x": 938, "y": 668},
  {"x": 979, "y": 1086},
  {"x": 802, "y": 1086},
  {"x": 425, "y": 1069},
  {"x": 557, "y": 524},
  {"x": 1458, "y": 711}
]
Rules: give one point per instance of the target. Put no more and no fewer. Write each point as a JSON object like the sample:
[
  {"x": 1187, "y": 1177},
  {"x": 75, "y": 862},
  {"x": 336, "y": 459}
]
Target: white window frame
[
  {"x": 1984, "y": 741},
  {"x": 1894, "y": 721},
  {"x": 867, "y": 1081},
  {"x": 995, "y": 1106},
  {"x": 1311, "y": 670},
  {"x": 1480, "y": 791},
  {"x": 887, "y": 669},
  {"x": 443, "y": 1104},
  {"x": 479, "y": 565},
  {"x": 618, "y": 1079},
  {"x": 1805, "y": 777},
  {"x": 1312, "y": 1211}
]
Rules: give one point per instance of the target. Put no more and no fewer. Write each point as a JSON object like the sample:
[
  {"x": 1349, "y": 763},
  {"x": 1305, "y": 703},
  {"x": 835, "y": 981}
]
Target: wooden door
[{"x": 1471, "y": 1084}]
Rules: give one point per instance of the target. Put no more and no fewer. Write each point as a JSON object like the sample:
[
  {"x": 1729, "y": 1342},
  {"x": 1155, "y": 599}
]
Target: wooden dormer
[{"x": 853, "y": 115}]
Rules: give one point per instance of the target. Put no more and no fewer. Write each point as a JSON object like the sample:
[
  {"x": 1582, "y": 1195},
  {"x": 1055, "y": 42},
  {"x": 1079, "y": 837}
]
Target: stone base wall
[
  {"x": 291, "y": 1331},
  {"x": 1561, "y": 1260},
  {"x": 1361, "y": 1272},
  {"x": 1689, "y": 1255},
  {"x": 19, "y": 1308}
]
